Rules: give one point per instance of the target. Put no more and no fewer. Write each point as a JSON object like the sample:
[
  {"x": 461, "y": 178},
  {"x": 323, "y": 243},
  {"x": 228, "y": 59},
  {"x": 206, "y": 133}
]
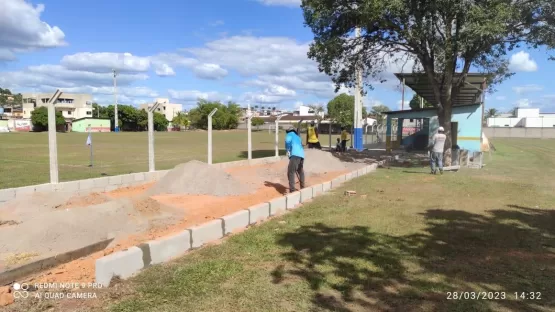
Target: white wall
[
  {"x": 546, "y": 122},
  {"x": 527, "y": 112},
  {"x": 502, "y": 122}
]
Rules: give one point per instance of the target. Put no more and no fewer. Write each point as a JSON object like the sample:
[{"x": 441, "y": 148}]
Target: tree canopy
[
  {"x": 227, "y": 116},
  {"x": 39, "y": 118},
  {"x": 8, "y": 98},
  {"x": 415, "y": 102},
  {"x": 441, "y": 38},
  {"x": 342, "y": 109},
  {"x": 378, "y": 111}
]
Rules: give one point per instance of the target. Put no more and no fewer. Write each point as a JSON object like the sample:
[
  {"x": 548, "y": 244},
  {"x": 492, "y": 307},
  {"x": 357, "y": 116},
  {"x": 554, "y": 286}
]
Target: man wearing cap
[
  {"x": 436, "y": 150},
  {"x": 312, "y": 137},
  {"x": 295, "y": 152}
]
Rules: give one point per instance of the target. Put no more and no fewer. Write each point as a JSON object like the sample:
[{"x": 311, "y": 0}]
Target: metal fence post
[
  {"x": 151, "y": 166},
  {"x": 52, "y": 142},
  {"x": 249, "y": 135},
  {"x": 210, "y": 135}
]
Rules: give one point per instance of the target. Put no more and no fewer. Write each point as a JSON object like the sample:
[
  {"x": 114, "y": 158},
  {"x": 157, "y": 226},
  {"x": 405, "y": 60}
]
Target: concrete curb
[
  {"x": 17, "y": 273},
  {"x": 212, "y": 230},
  {"x": 110, "y": 183}
]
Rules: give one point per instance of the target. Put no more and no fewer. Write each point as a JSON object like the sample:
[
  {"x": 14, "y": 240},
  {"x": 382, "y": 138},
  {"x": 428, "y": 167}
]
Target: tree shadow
[
  {"x": 260, "y": 153},
  {"x": 355, "y": 269}
]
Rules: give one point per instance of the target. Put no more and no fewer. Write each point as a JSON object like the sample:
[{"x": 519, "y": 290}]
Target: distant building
[
  {"x": 92, "y": 124},
  {"x": 165, "y": 108},
  {"x": 525, "y": 118},
  {"x": 306, "y": 111}
]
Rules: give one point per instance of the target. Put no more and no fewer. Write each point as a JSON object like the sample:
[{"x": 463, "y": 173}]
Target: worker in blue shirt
[{"x": 295, "y": 152}]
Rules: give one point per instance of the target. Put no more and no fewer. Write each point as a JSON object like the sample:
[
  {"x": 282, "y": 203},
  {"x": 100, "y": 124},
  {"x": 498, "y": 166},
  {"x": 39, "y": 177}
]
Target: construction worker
[
  {"x": 344, "y": 139},
  {"x": 312, "y": 137},
  {"x": 436, "y": 150},
  {"x": 295, "y": 152}
]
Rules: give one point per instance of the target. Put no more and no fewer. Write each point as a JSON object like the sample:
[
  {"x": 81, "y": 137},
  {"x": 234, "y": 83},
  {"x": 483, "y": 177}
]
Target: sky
[{"x": 246, "y": 51}]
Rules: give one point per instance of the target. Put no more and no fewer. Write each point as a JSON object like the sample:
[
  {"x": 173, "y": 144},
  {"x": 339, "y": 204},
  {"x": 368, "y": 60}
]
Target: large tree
[
  {"x": 227, "y": 116},
  {"x": 342, "y": 109},
  {"x": 416, "y": 100},
  {"x": 39, "y": 118},
  {"x": 442, "y": 37}
]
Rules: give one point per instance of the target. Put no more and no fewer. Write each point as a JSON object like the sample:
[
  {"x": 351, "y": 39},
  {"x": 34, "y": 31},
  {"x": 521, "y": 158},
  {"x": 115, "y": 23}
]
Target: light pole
[
  {"x": 116, "y": 123},
  {"x": 357, "y": 123}
]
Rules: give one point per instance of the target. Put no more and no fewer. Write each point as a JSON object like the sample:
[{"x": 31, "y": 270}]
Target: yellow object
[
  {"x": 343, "y": 135},
  {"x": 312, "y": 138}
]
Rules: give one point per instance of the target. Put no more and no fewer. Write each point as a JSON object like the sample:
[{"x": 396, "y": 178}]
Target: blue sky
[{"x": 241, "y": 50}]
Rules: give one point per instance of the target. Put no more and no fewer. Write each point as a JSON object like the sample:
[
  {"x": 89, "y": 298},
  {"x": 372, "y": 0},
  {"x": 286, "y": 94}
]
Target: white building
[
  {"x": 72, "y": 105},
  {"x": 526, "y": 118},
  {"x": 305, "y": 111},
  {"x": 165, "y": 108}
]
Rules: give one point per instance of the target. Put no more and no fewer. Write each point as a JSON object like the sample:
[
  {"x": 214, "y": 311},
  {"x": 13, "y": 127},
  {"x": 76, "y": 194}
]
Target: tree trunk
[{"x": 444, "y": 118}]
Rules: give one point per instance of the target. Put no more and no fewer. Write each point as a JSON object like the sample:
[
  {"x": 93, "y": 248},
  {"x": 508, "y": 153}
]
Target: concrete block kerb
[
  {"x": 317, "y": 190},
  {"x": 293, "y": 200},
  {"x": 235, "y": 221},
  {"x": 277, "y": 206},
  {"x": 166, "y": 248},
  {"x": 258, "y": 213},
  {"x": 206, "y": 232},
  {"x": 123, "y": 264},
  {"x": 326, "y": 186},
  {"x": 306, "y": 194}
]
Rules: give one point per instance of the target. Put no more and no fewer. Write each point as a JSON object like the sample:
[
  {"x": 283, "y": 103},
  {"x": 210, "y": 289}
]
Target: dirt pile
[
  {"x": 198, "y": 178},
  {"x": 319, "y": 162}
]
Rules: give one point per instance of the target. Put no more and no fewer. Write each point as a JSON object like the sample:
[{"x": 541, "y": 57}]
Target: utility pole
[
  {"x": 357, "y": 143},
  {"x": 116, "y": 123}
]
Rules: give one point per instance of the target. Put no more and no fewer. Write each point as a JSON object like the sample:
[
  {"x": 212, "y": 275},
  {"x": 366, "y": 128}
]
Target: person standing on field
[
  {"x": 436, "y": 150},
  {"x": 344, "y": 139},
  {"x": 295, "y": 152},
  {"x": 312, "y": 137}
]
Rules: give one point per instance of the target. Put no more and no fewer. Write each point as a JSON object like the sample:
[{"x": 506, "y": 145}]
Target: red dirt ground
[{"x": 199, "y": 209}]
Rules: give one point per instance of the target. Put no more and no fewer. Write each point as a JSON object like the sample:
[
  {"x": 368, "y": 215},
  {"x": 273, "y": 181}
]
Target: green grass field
[
  {"x": 24, "y": 156},
  {"x": 406, "y": 242}
]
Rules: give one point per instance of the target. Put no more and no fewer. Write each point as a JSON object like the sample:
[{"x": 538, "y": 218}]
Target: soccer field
[{"x": 24, "y": 156}]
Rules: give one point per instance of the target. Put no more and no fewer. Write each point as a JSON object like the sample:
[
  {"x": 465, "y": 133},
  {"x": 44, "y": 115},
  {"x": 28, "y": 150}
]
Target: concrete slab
[
  {"x": 43, "y": 188},
  {"x": 361, "y": 172},
  {"x": 164, "y": 249},
  {"x": 150, "y": 176},
  {"x": 306, "y": 194},
  {"x": 371, "y": 168},
  {"x": 127, "y": 180},
  {"x": 85, "y": 184},
  {"x": 293, "y": 200},
  {"x": 278, "y": 206},
  {"x": 24, "y": 191},
  {"x": 101, "y": 182},
  {"x": 206, "y": 232},
  {"x": 317, "y": 190},
  {"x": 123, "y": 264},
  {"x": 326, "y": 186},
  {"x": 235, "y": 221},
  {"x": 348, "y": 176},
  {"x": 7, "y": 194},
  {"x": 115, "y": 180},
  {"x": 139, "y": 177},
  {"x": 259, "y": 212},
  {"x": 110, "y": 188}
]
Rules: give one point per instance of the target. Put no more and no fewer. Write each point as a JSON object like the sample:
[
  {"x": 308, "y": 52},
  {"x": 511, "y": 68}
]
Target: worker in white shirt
[{"x": 436, "y": 150}]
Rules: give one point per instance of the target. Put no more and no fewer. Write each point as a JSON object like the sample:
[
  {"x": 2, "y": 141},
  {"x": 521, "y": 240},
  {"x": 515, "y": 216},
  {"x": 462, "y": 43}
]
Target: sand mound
[
  {"x": 198, "y": 178},
  {"x": 317, "y": 162}
]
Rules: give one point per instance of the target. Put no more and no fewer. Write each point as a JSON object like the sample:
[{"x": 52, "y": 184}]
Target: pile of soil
[
  {"x": 320, "y": 162},
  {"x": 198, "y": 178}
]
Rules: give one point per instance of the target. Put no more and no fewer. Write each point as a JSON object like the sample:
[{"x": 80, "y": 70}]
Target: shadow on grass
[
  {"x": 355, "y": 269},
  {"x": 260, "y": 153}
]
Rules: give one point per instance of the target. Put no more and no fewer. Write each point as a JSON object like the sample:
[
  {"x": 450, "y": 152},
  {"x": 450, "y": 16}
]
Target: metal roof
[{"x": 470, "y": 92}]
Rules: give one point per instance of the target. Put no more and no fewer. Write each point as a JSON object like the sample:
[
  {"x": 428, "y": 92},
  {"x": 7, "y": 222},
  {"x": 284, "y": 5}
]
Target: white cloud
[
  {"x": 21, "y": 29},
  {"x": 106, "y": 61},
  {"x": 523, "y": 103},
  {"x": 522, "y": 61},
  {"x": 164, "y": 70},
  {"x": 194, "y": 95},
  {"x": 406, "y": 106},
  {"x": 273, "y": 94},
  {"x": 217, "y": 23},
  {"x": 287, "y": 3},
  {"x": 501, "y": 98},
  {"x": 530, "y": 88},
  {"x": 209, "y": 71}
]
